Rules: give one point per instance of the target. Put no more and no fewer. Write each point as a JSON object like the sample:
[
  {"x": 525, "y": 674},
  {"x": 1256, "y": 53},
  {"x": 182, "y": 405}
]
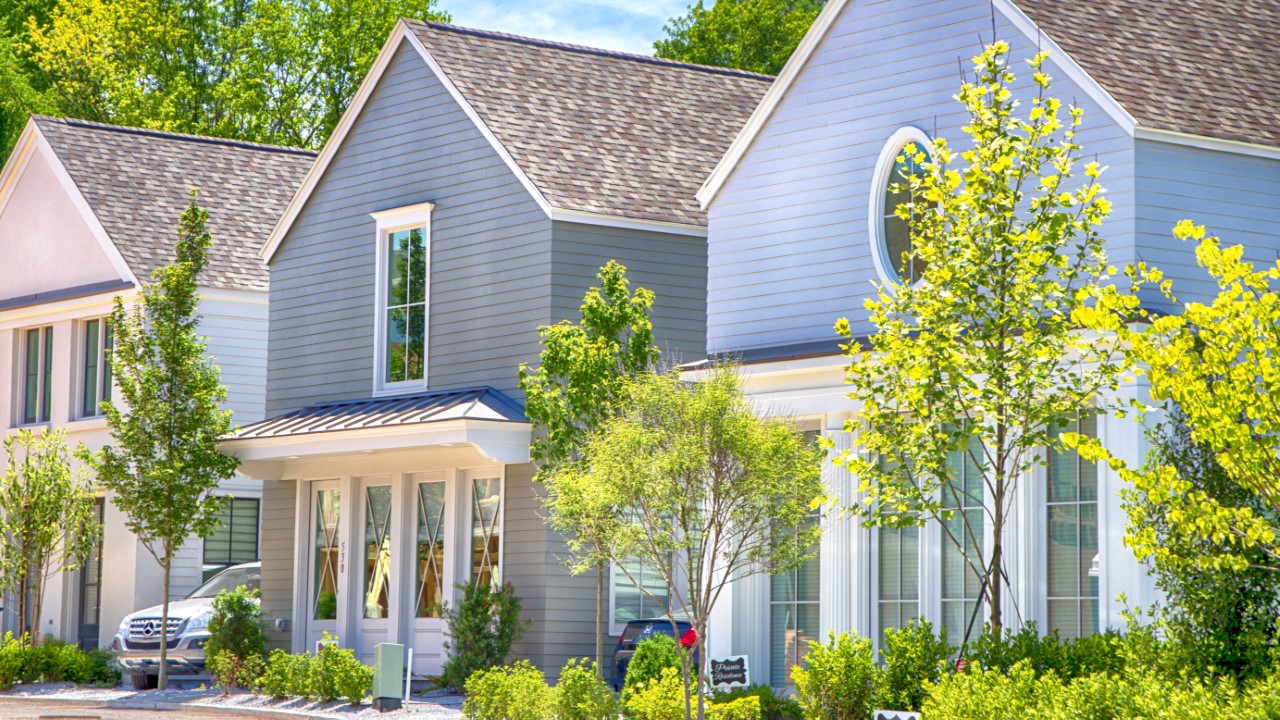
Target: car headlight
[
  {"x": 201, "y": 621},
  {"x": 124, "y": 627}
]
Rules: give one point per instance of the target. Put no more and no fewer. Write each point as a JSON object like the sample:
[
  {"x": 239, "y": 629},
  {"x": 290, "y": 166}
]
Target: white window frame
[
  {"x": 881, "y": 179},
  {"x": 388, "y": 221},
  {"x": 82, "y": 348},
  {"x": 1040, "y": 528}
]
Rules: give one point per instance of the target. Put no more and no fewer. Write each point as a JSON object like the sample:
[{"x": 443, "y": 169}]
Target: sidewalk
[{"x": 213, "y": 702}]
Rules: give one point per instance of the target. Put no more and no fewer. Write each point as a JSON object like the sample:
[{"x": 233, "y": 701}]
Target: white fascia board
[
  {"x": 772, "y": 98},
  {"x": 626, "y": 223},
  {"x": 71, "y": 308},
  {"x": 33, "y": 141},
  {"x": 1172, "y": 137},
  {"x": 503, "y": 442}
]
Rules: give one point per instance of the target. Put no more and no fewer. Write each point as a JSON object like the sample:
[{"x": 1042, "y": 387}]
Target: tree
[
  {"x": 754, "y": 35},
  {"x": 48, "y": 520},
  {"x": 277, "y": 71},
  {"x": 580, "y": 372},
  {"x": 689, "y": 480},
  {"x": 1216, "y": 363},
  {"x": 973, "y": 370},
  {"x": 21, "y": 85},
  {"x": 164, "y": 465}
]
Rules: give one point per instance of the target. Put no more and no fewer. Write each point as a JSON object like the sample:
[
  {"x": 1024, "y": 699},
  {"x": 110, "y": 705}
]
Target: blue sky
[{"x": 625, "y": 25}]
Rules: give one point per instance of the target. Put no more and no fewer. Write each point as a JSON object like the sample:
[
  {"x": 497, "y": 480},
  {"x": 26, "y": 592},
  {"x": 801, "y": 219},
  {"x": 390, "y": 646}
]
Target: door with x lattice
[
  {"x": 326, "y": 562},
  {"x": 375, "y": 564}
]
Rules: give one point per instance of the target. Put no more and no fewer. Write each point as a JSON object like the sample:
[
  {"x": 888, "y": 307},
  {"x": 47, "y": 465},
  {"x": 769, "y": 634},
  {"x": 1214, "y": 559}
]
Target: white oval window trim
[{"x": 875, "y": 214}]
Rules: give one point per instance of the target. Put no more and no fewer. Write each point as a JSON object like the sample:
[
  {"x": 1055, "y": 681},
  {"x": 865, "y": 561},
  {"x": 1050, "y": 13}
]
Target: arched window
[{"x": 890, "y": 234}]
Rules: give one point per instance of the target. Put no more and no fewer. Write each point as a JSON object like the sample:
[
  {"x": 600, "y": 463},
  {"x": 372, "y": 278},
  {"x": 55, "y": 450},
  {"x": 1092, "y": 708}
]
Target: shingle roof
[
  {"x": 594, "y": 130},
  {"x": 1204, "y": 67},
  {"x": 471, "y": 404},
  {"x": 137, "y": 183}
]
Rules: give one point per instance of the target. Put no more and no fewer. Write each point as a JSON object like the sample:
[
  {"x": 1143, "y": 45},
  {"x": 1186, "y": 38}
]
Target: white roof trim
[
  {"x": 618, "y": 221},
  {"x": 400, "y": 33},
  {"x": 33, "y": 141},
  {"x": 1204, "y": 142},
  {"x": 800, "y": 58}
]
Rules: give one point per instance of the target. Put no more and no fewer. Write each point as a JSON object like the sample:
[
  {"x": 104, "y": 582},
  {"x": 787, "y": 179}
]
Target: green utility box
[{"x": 388, "y": 676}]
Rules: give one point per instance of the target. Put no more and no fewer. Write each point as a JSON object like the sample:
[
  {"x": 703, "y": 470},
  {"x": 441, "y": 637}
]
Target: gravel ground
[{"x": 434, "y": 706}]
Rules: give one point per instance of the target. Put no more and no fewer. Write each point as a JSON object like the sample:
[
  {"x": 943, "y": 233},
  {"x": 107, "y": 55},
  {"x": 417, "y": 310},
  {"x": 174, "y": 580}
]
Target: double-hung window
[
  {"x": 95, "y": 379},
  {"x": 1071, "y": 509},
  {"x": 37, "y": 374},
  {"x": 962, "y": 542},
  {"x": 793, "y": 617},
  {"x": 404, "y": 272},
  {"x": 638, "y": 592}
]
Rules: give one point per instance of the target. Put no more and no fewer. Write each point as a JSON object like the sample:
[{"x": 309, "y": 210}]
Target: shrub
[
  {"x": 912, "y": 656},
  {"x": 514, "y": 692},
  {"x": 1002, "y": 648},
  {"x": 660, "y": 698},
  {"x": 286, "y": 675},
  {"x": 237, "y": 639},
  {"x": 482, "y": 630},
  {"x": 13, "y": 660},
  {"x": 336, "y": 673},
  {"x": 772, "y": 706},
  {"x": 1093, "y": 655},
  {"x": 838, "y": 679},
  {"x": 53, "y": 661},
  {"x": 582, "y": 695},
  {"x": 987, "y": 694},
  {"x": 232, "y": 671},
  {"x": 746, "y": 707},
  {"x": 653, "y": 655}
]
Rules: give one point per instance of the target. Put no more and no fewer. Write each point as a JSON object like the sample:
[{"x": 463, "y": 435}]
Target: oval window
[{"x": 891, "y": 233}]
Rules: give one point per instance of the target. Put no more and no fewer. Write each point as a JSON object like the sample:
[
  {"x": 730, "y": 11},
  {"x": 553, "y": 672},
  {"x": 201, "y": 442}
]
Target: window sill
[{"x": 85, "y": 424}]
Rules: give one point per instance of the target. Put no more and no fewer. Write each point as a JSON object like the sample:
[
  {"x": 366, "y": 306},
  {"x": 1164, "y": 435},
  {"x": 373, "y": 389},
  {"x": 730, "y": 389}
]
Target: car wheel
[{"x": 143, "y": 681}]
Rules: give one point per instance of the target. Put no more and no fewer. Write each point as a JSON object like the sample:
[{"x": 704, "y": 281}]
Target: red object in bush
[{"x": 689, "y": 638}]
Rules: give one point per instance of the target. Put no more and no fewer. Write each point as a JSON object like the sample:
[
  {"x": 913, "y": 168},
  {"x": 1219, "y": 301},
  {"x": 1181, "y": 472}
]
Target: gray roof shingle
[
  {"x": 1203, "y": 67},
  {"x": 137, "y": 183},
  {"x": 599, "y": 131}
]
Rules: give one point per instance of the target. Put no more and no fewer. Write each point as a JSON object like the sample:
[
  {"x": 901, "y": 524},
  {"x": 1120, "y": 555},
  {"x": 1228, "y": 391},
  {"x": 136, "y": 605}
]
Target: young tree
[
  {"x": 48, "y": 521},
  {"x": 1216, "y": 363},
  {"x": 973, "y": 369},
  {"x": 165, "y": 466},
  {"x": 689, "y": 480},
  {"x": 754, "y": 35},
  {"x": 580, "y": 372}
]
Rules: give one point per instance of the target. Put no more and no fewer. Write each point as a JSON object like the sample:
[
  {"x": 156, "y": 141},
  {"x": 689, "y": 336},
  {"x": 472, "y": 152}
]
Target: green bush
[
  {"x": 660, "y": 698},
  {"x": 582, "y": 695},
  {"x": 989, "y": 694},
  {"x": 772, "y": 706},
  {"x": 514, "y": 692},
  {"x": 912, "y": 656},
  {"x": 482, "y": 630},
  {"x": 232, "y": 671},
  {"x": 53, "y": 661},
  {"x": 336, "y": 673},
  {"x": 838, "y": 680},
  {"x": 237, "y": 639},
  {"x": 286, "y": 675},
  {"x": 653, "y": 655},
  {"x": 744, "y": 708}
]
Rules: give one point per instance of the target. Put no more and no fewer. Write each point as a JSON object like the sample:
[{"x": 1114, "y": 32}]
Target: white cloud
[{"x": 610, "y": 24}]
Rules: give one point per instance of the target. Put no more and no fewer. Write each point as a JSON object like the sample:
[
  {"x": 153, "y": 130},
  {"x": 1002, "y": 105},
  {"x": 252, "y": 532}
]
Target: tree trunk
[
  {"x": 699, "y": 646},
  {"x": 600, "y": 620},
  {"x": 163, "y": 682},
  {"x": 994, "y": 575},
  {"x": 24, "y": 625}
]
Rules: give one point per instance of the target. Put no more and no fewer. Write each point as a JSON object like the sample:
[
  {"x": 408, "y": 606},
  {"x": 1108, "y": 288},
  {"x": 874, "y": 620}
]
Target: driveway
[{"x": 32, "y": 709}]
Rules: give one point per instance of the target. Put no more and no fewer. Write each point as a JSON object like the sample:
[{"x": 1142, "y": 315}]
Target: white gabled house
[
  {"x": 1180, "y": 100},
  {"x": 87, "y": 212}
]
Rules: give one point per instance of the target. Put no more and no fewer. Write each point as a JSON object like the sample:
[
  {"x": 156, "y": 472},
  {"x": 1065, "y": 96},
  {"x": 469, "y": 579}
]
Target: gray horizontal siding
[
  {"x": 278, "y": 540},
  {"x": 674, "y": 267},
  {"x": 1235, "y": 196},
  {"x": 490, "y": 250},
  {"x": 789, "y": 247}
]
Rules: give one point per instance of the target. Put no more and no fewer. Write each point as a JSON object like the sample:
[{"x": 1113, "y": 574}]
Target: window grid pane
[
  {"x": 406, "y": 310},
  {"x": 92, "y": 355},
  {"x": 962, "y": 541},
  {"x": 1071, "y": 514},
  {"x": 899, "y": 578},
  {"x": 235, "y": 540},
  {"x": 793, "y": 617}
]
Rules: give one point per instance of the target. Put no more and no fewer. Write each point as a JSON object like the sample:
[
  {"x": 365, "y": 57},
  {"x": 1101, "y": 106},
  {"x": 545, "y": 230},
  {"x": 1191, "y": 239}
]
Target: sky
[{"x": 623, "y": 25}]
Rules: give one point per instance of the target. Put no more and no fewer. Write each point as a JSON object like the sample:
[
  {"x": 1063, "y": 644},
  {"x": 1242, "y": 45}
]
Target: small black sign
[{"x": 729, "y": 671}]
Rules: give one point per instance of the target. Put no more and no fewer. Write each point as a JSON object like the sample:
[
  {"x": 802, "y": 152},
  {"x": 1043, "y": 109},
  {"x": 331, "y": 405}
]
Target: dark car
[{"x": 638, "y": 631}]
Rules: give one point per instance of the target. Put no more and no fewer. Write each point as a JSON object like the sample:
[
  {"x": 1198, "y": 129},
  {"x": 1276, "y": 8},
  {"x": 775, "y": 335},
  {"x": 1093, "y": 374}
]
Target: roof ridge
[
  {"x": 588, "y": 50},
  {"x": 228, "y": 142}
]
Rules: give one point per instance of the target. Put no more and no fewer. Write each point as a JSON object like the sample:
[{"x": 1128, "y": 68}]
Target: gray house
[{"x": 469, "y": 195}]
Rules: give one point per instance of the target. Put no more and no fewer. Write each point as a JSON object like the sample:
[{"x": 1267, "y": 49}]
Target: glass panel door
[
  {"x": 486, "y": 530},
  {"x": 327, "y": 549},
  {"x": 430, "y": 548},
  {"x": 377, "y": 551}
]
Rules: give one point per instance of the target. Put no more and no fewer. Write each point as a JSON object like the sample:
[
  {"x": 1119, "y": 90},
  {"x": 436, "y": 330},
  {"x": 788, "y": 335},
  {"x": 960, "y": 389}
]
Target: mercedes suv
[{"x": 137, "y": 642}]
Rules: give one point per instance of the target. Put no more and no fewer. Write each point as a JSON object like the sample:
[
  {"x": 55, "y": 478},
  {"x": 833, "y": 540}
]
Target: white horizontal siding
[{"x": 789, "y": 249}]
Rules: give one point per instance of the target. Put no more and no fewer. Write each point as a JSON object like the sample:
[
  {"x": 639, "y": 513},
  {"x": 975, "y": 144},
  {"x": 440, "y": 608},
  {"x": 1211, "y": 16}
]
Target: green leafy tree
[
  {"x": 48, "y": 520},
  {"x": 277, "y": 71},
  {"x": 980, "y": 362},
  {"x": 687, "y": 478},
  {"x": 754, "y": 35},
  {"x": 580, "y": 372},
  {"x": 1216, "y": 364},
  {"x": 164, "y": 465}
]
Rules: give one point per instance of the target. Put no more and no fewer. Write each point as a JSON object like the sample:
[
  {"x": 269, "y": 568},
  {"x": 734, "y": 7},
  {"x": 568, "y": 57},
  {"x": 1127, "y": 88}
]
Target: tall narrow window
[
  {"x": 95, "y": 382},
  {"x": 793, "y": 618},
  {"x": 406, "y": 306},
  {"x": 486, "y": 530},
  {"x": 899, "y": 574},
  {"x": 235, "y": 540},
  {"x": 630, "y": 602},
  {"x": 430, "y": 549},
  {"x": 1072, "y": 521},
  {"x": 962, "y": 541},
  {"x": 377, "y": 550},
  {"x": 326, "y": 550},
  {"x": 37, "y": 374}
]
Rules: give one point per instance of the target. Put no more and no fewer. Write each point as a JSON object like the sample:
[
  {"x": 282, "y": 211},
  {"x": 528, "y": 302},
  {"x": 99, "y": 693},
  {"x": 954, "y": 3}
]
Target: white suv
[{"x": 137, "y": 642}]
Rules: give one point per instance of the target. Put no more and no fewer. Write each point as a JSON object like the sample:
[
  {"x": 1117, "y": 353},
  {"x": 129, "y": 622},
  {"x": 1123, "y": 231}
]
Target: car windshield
[{"x": 229, "y": 579}]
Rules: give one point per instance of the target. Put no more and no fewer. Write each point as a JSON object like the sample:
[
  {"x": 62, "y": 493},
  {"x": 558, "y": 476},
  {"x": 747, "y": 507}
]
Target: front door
[
  {"x": 87, "y": 622},
  {"x": 375, "y": 566},
  {"x": 327, "y": 562},
  {"x": 432, "y": 565}
]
